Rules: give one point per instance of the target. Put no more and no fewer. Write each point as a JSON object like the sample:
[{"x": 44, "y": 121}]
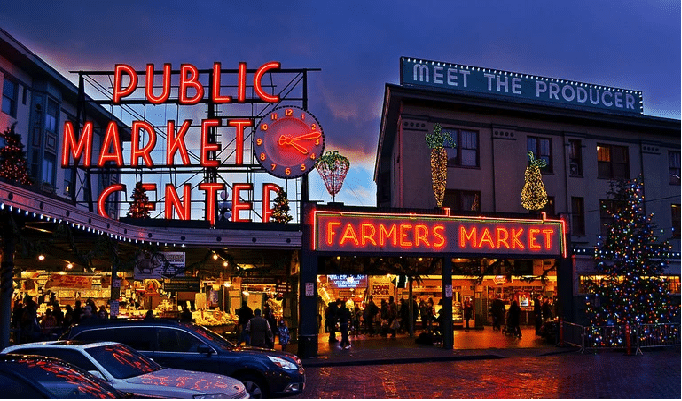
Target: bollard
[{"x": 627, "y": 338}]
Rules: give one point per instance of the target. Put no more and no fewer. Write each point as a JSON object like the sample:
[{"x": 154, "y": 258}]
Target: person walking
[
  {"x": 515, "y": 318},
  {"x": 186, "y": 315},
  {"x": 546, "y": 310},
  {"x": 497, "y": 313},
  {"x": 283, "y": 335},
  {"x": 468, "y": 311},
  {"x": 258, "y": 329},
  {"x": 344, "y": 318},
  {"x": 245, "y": 314},
  {"x": 369, "y": 315},
  {"x": 331, "y": 317},
  {"x": 392, "y": 315},
  {"x": 537, "y": 310}
]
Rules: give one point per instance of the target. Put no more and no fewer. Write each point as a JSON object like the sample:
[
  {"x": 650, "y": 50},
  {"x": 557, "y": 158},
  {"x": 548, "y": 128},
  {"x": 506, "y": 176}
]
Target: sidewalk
[{"x": 468, "y": 345}]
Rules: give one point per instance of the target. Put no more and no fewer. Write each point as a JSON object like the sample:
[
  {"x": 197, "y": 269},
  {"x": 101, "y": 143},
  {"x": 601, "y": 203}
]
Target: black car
[
  {"x": 23, "y": 376},
  {"x": 266, "y": 373}
]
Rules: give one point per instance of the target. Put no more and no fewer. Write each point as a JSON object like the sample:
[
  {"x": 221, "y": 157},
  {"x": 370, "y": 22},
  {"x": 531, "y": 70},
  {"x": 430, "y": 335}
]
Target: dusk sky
[{"x": 629, "y": 44}]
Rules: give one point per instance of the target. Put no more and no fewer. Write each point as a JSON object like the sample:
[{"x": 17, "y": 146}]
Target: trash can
[{"x": 307, "y": 346}]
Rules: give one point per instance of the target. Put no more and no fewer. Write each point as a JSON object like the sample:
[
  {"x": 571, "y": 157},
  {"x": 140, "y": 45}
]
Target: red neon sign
[{"x": 377, "y": 232}]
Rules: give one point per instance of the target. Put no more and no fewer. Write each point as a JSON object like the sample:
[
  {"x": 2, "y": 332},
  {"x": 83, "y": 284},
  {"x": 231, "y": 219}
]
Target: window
[
  {"x": 675, "y": 212},
  {"x": 71, "y": 356},
  {"x": 549, "y": 206},
  {"x": 614, "y": 161},
  {"x": 462, "y": 201},
  {"x": 575, "y": 158},
  {"x": 465, "y": 153},
  {"x": 172, "y": 340},
  {"x": 674, "y": 163},
  {"x": 577, "y": 216},
  {"x": 542, "y": 149},
  {"x": 9, "y": 97},
  {"x": 51, "y": 116},
  {"x": 49, "y": 163},
  {"x": 607, "y": 208},
  {"x": 140, "y": 338}
]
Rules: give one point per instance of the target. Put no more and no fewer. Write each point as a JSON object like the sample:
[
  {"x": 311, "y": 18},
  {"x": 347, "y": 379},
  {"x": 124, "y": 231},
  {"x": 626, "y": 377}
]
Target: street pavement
[{"x": 486, "y": 364}]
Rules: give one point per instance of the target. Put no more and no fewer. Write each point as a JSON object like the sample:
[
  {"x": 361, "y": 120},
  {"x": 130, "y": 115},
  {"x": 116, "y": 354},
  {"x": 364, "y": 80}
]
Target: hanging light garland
[
  {"x": 437, "y": 141},
  {"x": 333, "y": 168}
]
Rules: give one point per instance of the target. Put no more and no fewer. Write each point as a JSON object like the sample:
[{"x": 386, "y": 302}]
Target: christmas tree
[
  {"x": 280, "y": 211},
  {"x": 13, "y": 158},
  {"x": 140, "y": 206},
  {"x": 630, "y": 260},
  {"x": 533, "y": 195},
  {"x": 437, "y": 141}
]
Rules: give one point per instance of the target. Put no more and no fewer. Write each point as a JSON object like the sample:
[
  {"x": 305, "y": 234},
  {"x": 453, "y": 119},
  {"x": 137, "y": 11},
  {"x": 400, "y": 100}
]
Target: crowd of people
[
  {"x": 259, "y": 328},
  {"x": 28, "y": 327}
]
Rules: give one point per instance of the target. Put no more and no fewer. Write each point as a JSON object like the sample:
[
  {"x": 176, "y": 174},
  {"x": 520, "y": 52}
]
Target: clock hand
[
  {"x": 287, "y": 140},
  {"x": 311, "y": 135}
]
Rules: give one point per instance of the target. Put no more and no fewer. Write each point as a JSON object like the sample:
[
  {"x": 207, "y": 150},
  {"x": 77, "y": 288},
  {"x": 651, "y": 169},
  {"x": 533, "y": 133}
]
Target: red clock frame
[{"x": 288, "y": 141}]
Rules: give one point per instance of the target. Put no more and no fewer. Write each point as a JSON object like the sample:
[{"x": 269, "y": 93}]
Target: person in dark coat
[
  {"x": 497, "y": 313},
  {"x": 537, "y": 310},
  {"x": 344, "y": 319},
  {"x": 259, "y": 330},
  {"x": 245, "y": 314},
  {"x": 186, "y": 315},
  {"x": 468, "y": 311},
  {"x": 331, "y": 317},
  {"x": 546, "y": 310},
  {"x": 514, "y": 319}
]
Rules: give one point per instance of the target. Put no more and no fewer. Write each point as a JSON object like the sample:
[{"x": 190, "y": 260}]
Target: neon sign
[{"x": 413, "y": 233}]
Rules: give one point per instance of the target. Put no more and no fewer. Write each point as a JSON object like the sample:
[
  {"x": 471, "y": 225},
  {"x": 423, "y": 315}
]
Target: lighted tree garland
[
  {"x": 630, "y": 260},
  {"x": 533, "y": 194},
  {"x": 333, "y": 168},
  {"x": 140, "y": 207},
  {"x": 437, "y": 141},
  {"x": 13, "y": 164},
  {"x": 280, "y": 211}
]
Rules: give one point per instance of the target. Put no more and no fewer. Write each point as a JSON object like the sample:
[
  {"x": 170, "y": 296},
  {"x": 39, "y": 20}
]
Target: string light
[
  {"x": 437, "y": 141},
  {"x": 533, "y": 194}
]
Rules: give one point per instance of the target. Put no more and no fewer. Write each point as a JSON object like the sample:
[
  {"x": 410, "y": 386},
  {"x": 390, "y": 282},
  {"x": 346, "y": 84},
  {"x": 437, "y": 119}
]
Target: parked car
[
  {"x": 266, "y": 373},
  {"x": 129, "y": 371},
  {"x": 28, "y": 376}
]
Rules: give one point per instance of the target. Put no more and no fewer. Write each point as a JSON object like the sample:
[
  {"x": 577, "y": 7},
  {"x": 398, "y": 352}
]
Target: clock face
[{"x": 288, "y": 141}]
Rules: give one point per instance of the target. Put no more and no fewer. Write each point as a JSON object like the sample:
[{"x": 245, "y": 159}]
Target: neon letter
[
  {"x": 173, "y": 202},
  {"x": 165, "y": 86},
  {"x": 516, "y": 242},
  {"x": 210, "y": 188},
  {"x": 403, "y": 242},
  {"x": 368, "y": 232},
  {"x": 102, "y": 200},
  {"x": 349, "y": 233},
  {"x": 257, "y": 85},
  {"x": 190, "y": 82},
  {"x": 237, "y": 204},
  {"x": 384, "y": 234},
  {"x": 421, "y": 233},
  {"x": 215, "y": 95},
  {"x": 548, "y": 237},
  {"x": 135, "y": 153},
  {"x": 439, "y": 236},
  {"x": 111, "y": 139},
  {"x": 487, "y": 238},
  {"x": 177, "y": 142},
  {"x": 502, "y": 237},
  {"x": 119, "y": 93},
  {"x": 241, "y": 87},
  {"x": 239, "y": 152},
  {"x": 266, "y": 209},
  {"x": 84, "y": 144},
  {"x": 330, "y": 232},
  {"x": 532, "y": 241},
  {"x": 464, "y": 236},
  {"x": 206, "y": 146}
]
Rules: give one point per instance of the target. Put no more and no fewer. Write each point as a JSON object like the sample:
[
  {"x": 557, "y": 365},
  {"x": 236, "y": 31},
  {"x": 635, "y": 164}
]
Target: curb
[{"x": 384, "y": 361}]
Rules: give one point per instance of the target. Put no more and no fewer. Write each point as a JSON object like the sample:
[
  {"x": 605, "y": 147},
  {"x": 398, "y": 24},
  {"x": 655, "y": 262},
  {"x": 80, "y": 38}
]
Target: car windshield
[
  {"x": 62, "y": 381},
  {"x": 214, "y": 338},
  {"x": 121, "y": 361}
]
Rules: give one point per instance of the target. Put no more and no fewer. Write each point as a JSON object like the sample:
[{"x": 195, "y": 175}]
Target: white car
[{"x": 131, "y": 372}]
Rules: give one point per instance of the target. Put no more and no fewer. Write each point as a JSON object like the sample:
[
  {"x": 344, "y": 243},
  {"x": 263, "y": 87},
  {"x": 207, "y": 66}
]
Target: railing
[{"x": 620, "y": 337}]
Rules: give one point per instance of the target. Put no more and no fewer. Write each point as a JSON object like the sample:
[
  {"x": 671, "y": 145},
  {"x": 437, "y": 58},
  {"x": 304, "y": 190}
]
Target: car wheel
[{"x": 254, "y": 386}]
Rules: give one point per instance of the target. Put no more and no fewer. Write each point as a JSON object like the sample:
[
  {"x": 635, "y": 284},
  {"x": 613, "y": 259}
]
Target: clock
[{"x": 288, "y": 141}]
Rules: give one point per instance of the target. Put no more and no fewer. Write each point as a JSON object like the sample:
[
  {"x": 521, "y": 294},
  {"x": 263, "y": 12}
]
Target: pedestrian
[
  {"x": 30, "y": 328},
  {"x": 344, "y": 319},
  {"x": 77, "y": 312},
  {"x": 392, "y": 316},
  {"x": 245, "y": 314},
  {"x": 68, "y": 317},
  {"x": 283, "y": 335},
  {"x": 422, "y": 313},
  {"x": 272, "y": 321},
  {"x": 186, "y": 315},
  {"x": 87, "y": 314},
  {"x": 102, "y": 313},
  {"x": 430, "y": 313},
  {"x": 404, "y": 315},
  {"x": 369, "y": 314},
  {"x": 537, "y": 310},
  {"x": 149, "y": 315},
  {"x": 546, "y": 310},
  {"x": 415, "y": 314},
  {"x": 497, "y": 313},
  {"x": 468, "y": 311},
  {"x": 49, "y": 325},
  {"x": 259, "y": 330},
  {"x": 514, "y": 319},
  {"x": 330, "y": 317}
]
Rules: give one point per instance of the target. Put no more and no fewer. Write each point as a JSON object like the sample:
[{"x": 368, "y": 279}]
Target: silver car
[{"x": 131, "y": 372}]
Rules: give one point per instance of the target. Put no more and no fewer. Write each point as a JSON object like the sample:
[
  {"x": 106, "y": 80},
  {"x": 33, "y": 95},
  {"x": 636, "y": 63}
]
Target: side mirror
[{"x": 205, "y": 349}]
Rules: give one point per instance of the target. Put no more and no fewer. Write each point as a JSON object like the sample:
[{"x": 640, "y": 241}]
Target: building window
[
  {"x": 542, "y": 149},
  {"x": 462, "y": 201},
  {"x": 614, "y": 161},
  {"x": 674, "y": 166},
  {"x": 51, "y": 116},
  {"x": 607, "y": 208},
  {"x": 549, "y": 206},
  {"x": 465, "y": 153},
  {"x": 49, "y": 163},
  {"x": 675, "y": 212},
  {"x": 10, "y": 95},
  {"x": 577, "y": 216},
  {"x": 575, "y": 158}
]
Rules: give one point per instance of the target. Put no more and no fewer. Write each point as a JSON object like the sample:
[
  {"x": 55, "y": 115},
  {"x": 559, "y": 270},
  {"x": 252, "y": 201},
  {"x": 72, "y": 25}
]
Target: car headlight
[
  {"x": 283, "y": 363},
  {"x": 209, "y": 396}
]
